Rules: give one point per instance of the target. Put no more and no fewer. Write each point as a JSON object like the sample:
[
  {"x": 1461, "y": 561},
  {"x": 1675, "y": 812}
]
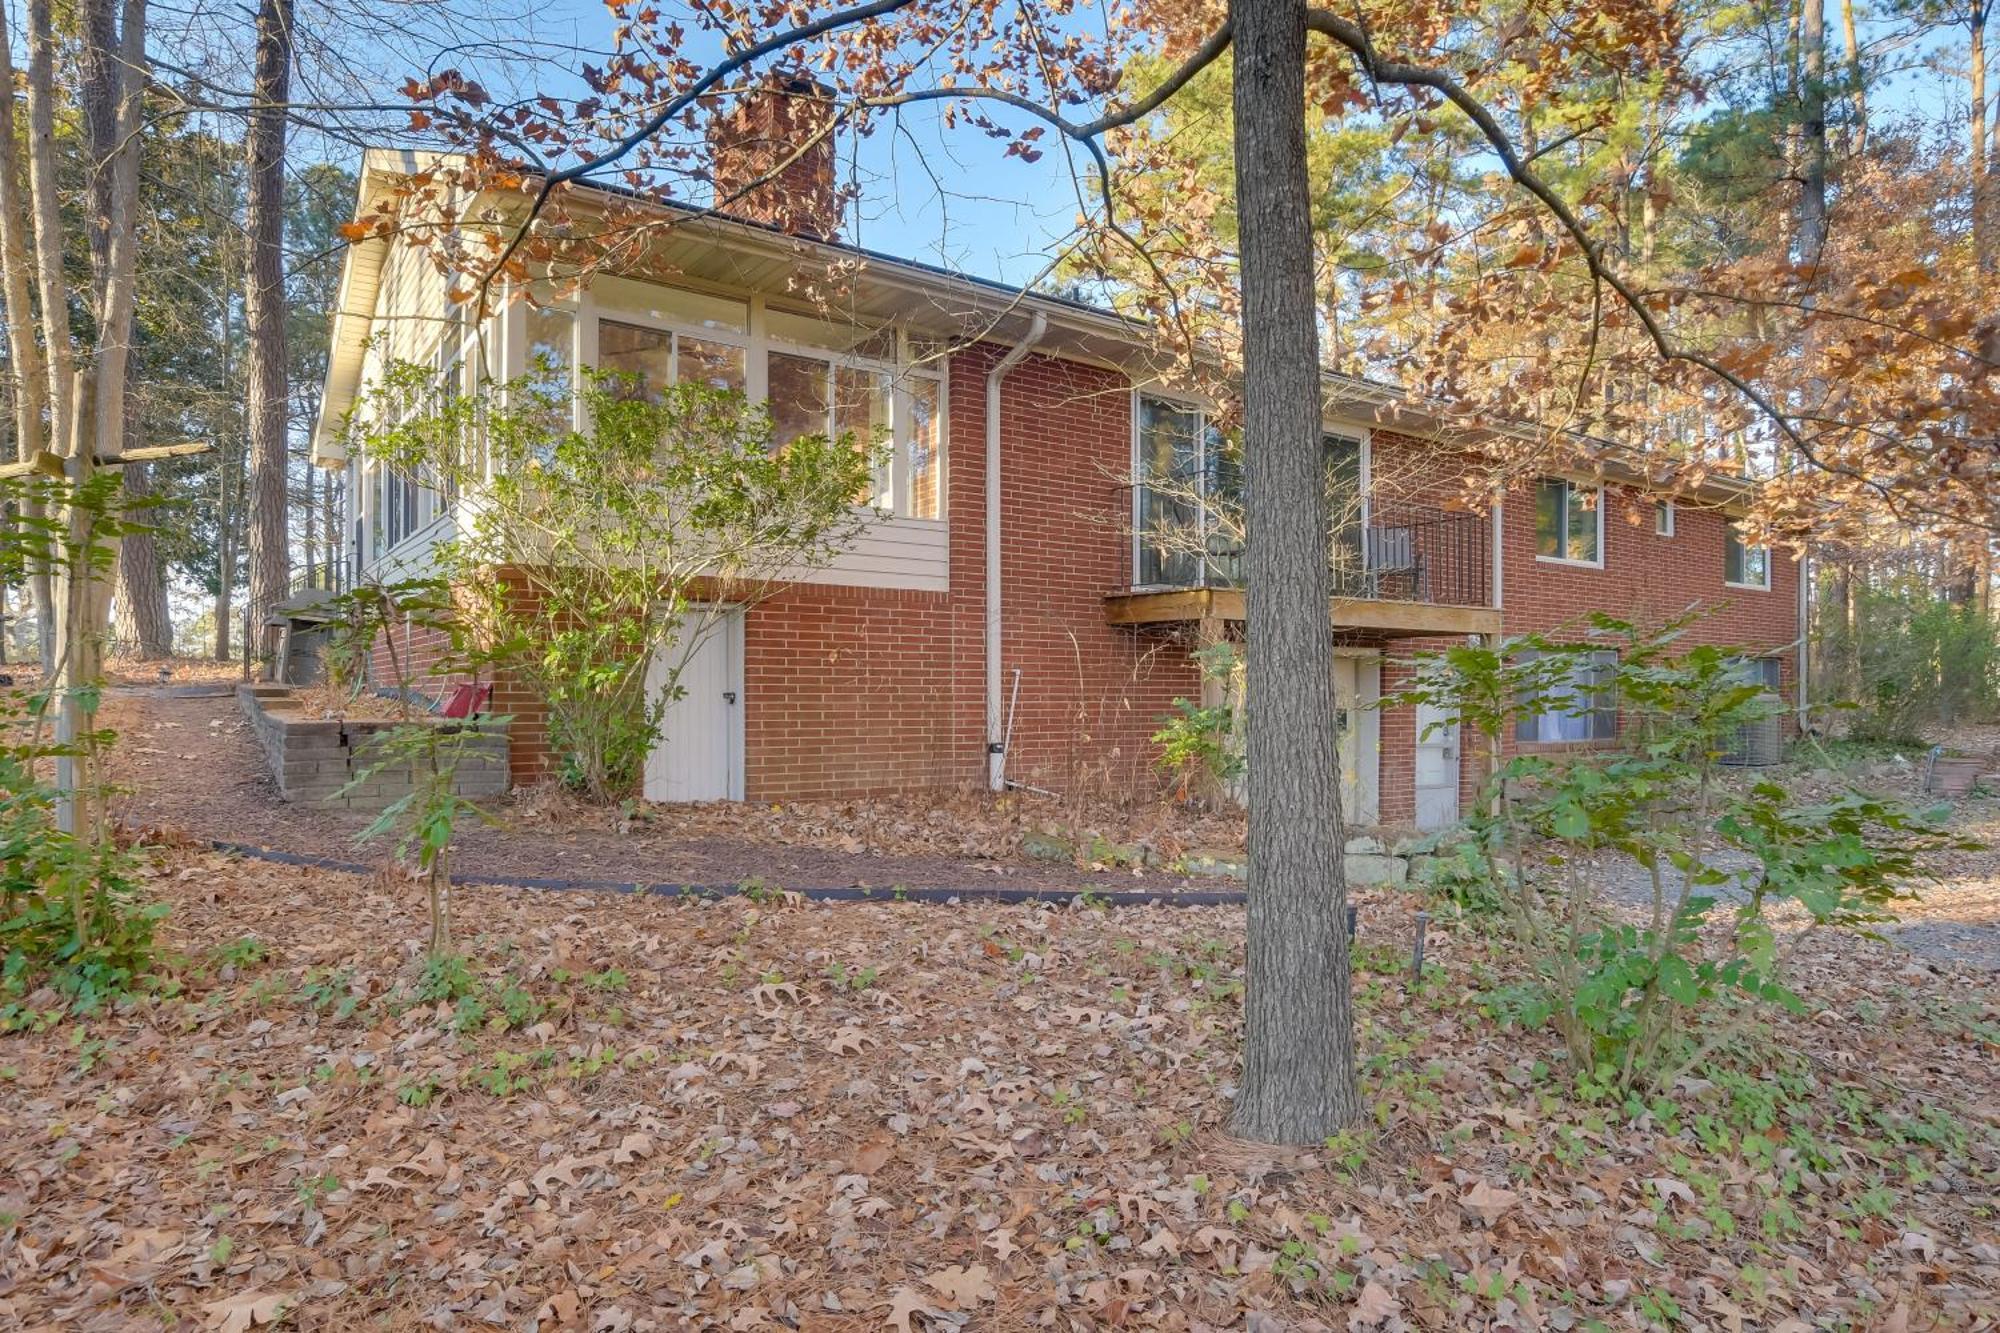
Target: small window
[
  {"x": 642, "y": 358},
  {"x": 550, "y": 335},
  {"x": 801, "y": 394},
  {"x": 1744, "y": 565},
  {"x": 926, "y": 459},
  {"x": 1582, "y": 708},
  {"x": 1663, "y": 518},
  {"x": 1569, "y": 522}
]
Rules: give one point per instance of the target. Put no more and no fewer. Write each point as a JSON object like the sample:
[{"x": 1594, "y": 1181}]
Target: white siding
[{"x": 912, "y": 553}]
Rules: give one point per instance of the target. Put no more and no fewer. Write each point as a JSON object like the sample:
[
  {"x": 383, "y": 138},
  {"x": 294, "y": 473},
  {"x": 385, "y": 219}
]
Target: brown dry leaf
[
  {"x": 245, "y": 1310},
  {"x": 1375, "y": 1306},
  {"x": 963, "y": 1287},
  {"x": 904, "y": 1304},
  {"x": 872, "y": 1155},
  {"x": 1486, "y": 1203}
]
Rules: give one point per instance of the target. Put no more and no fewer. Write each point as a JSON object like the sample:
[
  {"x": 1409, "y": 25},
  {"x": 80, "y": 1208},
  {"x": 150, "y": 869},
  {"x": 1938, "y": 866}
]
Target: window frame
[
  {"x": 758, "y": 345},
  {"x": 1664, "y": 518},
  {"x": 1570, "y": 486},
  {"x": 1343, "y": 429},
  {"x": 1730, "y": 537},
  {"x": 1597, "y": 659}
]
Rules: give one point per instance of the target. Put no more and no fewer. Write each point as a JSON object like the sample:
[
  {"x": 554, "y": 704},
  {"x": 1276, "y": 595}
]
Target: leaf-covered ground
[{"x": 650, "y": 1113}]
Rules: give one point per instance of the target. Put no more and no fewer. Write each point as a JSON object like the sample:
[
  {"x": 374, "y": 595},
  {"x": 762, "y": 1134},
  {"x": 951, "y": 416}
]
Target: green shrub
[{"x": 1633, "y": 1002}]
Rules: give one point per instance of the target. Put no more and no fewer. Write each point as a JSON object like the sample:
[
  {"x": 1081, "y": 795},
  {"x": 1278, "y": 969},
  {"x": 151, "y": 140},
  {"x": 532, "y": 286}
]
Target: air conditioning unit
[{"x": 1761, "y": 743}]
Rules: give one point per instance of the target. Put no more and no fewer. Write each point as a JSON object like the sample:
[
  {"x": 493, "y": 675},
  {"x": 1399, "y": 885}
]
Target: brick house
[{"x": 1006, "y": 616}]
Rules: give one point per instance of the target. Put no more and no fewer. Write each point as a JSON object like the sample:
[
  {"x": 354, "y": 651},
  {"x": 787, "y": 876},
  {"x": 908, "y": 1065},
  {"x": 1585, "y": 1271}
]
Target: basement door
[
  {"x": 699, "y": 753},
  {"x": 1437, "y": 768},
  {"x": 1357, "y": 685}
]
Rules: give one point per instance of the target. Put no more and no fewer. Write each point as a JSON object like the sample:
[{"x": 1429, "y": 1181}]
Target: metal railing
[{"x": 1397, "y": 552}]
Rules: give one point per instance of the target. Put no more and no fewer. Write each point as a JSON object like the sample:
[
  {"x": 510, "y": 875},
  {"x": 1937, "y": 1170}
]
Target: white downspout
[
  {"x": 996, "y": 745},
  {"x": 1805, "y": 637}
]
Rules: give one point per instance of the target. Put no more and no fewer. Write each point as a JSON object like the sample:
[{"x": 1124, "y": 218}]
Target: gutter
[{"x": 996, "y": 744}]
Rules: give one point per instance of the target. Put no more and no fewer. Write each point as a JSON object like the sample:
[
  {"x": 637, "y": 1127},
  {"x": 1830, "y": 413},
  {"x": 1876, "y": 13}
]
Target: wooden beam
[
  {"x": 1413, "y": 619},
  {"x": 1158, "y": 608},
  {"x": 151, "y": 452},
  {"x": 1391, "y": 619},
  {"x": 44, "y": 462}
]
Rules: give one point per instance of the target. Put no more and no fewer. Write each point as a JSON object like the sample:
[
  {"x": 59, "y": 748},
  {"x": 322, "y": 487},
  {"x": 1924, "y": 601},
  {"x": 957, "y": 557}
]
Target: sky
[{"x": 949, "y": 198}]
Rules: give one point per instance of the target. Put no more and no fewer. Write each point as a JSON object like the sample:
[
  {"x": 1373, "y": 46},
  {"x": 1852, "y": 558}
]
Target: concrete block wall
[{"x": 314, "y": 759}]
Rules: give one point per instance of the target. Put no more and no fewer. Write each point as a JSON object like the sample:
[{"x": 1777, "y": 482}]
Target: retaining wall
[{"x": 314, "y": 759}]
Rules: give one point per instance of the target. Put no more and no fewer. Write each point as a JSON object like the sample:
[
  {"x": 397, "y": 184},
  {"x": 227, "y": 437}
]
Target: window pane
[
  {"x": 1582, "y": 515},
  {"x": 926, "y": 459},
  {"x": 1549, "y": 497},
  {"x": 1583, "y": 707},
  {"x": 798, "y": 393},
  {"x": 1222, "y": 499},
  {"x": 1732, "y": 556},
  {"x": 1344, "y": 503},
  {"x": 1663, "y": 518},
  {"x": 861, "y": 414},
  {"x": 642, "y": 356},
  {"x": 717, "y": 365},
  {"x": 1169, "y": 474},
  {"x": 550, "y": 336}
]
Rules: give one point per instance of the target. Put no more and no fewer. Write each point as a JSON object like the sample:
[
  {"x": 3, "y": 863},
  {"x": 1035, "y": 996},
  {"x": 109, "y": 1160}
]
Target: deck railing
[{"x": 1397, "y": 552}]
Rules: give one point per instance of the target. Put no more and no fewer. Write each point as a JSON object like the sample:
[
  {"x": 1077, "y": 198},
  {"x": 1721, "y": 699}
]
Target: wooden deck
[{"x": 1396, "y": 620}]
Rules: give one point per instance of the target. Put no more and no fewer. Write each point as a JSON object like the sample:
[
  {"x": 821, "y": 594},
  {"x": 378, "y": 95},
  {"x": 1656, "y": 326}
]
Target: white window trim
[
  {"x": 758, "y": 344},
  {"x": 1664, "y": 509},
  {"x": 1563, "y": 559},
  {"x": 1765, "y": 586}
]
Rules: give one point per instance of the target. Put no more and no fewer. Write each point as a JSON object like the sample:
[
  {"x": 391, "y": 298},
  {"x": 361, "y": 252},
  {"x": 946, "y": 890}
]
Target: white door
[
  {"x": 1357, "y": 685},
  {"x": 699, "y": 753},
  {"x": 1437, "y": 768}
]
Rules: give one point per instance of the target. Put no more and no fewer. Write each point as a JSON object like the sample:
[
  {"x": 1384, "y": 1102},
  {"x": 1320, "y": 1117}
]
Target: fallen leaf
[
  {"x": 905, "y": 1302},
  {"x": 245, "y": 1310},
  {"x": 1487, "y": 1203},
  {"x": 963, "y": 1287},
  {"x": 1374, "y": 1306}
]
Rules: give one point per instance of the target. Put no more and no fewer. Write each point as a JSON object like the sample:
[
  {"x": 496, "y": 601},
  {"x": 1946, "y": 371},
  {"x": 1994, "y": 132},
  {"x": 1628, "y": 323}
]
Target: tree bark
[
  {"x": 1812, "y": 199},
  {"x": 1984, "y": 244},
  {"x": 1857, "y": 76},
  {"x": 145, "y": 623},
  {"x": 51, "y": 286},
  {"x": 265, "y": 360},
  {"x": 1298, "y": 1045},
  {"x": 25, "y": 362},
  {"x": 110, "y": 104}
]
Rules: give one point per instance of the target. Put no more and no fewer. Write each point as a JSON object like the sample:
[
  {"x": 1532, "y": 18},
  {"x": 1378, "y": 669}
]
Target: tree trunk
[
  {"x": 1812, "y": 199},
  {"x": 225, "y": 556},
  {"x": 52, "y": 287},
  {"x": 1857, "y": 76},
  {"x": 1298, "y": 1041},
  {"x": 24, "y": 354},
  {"x": 145, "y": 625},
  {"x": 265, "y": 358},
  {"x": 1984, "y": 244}
]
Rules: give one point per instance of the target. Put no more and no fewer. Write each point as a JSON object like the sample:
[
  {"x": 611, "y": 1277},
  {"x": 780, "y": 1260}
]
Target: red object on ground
[{"x": 466, "y": 700}]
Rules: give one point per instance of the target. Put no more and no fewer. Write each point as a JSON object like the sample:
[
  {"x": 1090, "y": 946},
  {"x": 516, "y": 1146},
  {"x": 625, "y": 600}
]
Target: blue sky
[
  {"x": 947, "y": 198},
  {"x": 953, "y": 198}
]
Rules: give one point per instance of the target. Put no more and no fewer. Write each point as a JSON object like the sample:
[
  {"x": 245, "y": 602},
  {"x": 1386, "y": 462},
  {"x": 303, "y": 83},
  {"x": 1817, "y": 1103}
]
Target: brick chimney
[{"x": 778, "y": 129}]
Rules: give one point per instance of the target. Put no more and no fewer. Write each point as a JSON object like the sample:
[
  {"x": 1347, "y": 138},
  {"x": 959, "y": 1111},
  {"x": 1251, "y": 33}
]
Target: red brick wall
[
  {"x": 1645, "y": 578},
  {"x": 853, "y": 690}
]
